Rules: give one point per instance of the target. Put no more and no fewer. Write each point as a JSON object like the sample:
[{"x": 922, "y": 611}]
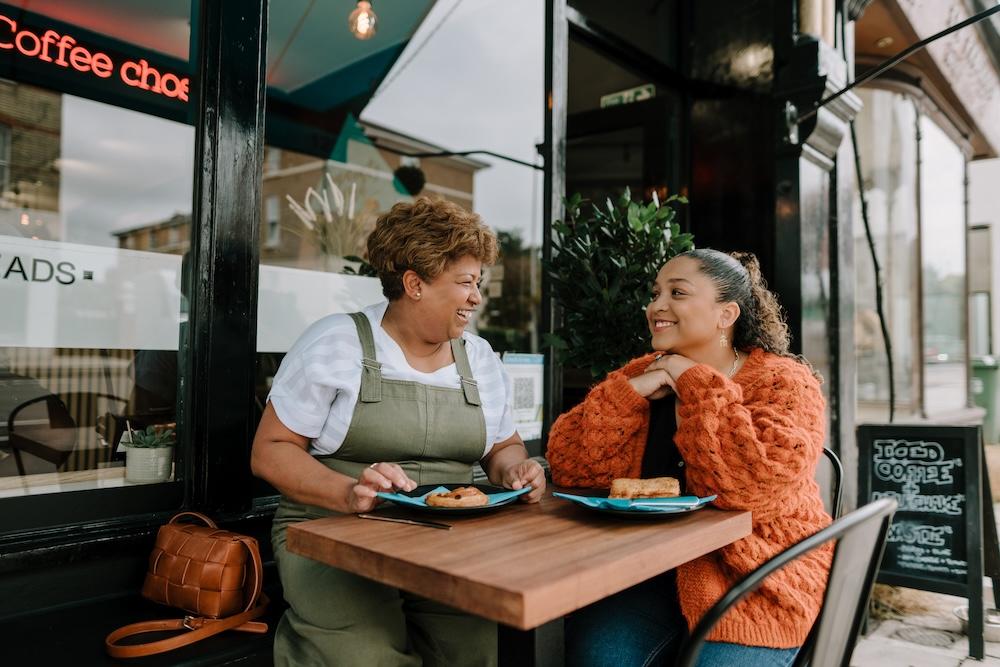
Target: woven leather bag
[{"x": 214, "y": 575}]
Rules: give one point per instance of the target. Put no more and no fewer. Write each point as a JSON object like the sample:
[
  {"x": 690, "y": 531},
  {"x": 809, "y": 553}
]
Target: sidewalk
[{"x": 932, "y": 639}]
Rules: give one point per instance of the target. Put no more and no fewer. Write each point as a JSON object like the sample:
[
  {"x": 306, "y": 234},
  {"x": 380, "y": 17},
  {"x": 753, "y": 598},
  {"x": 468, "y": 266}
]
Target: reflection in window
[
  {"x": 334, "y": 164},
  {"x": 894, "y": 138},
  {"x": 5, "y": 134},
  {"x": 92, "y": 320},
  {"x": 942, "y": 215},
  {"x": 272, "y": 221},
  {"x": 887, "y": 140}
]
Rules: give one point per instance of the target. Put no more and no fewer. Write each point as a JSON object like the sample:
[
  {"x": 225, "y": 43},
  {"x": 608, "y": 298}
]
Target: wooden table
[{"x": 521, "y": 566}]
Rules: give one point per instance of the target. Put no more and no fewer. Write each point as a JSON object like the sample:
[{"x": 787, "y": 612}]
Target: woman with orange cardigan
[{"x": 723, "y": 407}]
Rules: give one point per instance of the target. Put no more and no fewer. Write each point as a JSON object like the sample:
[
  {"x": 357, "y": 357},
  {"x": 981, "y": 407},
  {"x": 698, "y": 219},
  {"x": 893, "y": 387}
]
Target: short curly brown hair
[{"x": 425, "y": 236}]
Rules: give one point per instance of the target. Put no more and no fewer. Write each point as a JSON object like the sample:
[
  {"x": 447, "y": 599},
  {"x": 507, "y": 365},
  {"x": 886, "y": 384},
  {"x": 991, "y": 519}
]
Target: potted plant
[
  {"x": 604, "y": 259},
  {"x": 149, "y": 454}
]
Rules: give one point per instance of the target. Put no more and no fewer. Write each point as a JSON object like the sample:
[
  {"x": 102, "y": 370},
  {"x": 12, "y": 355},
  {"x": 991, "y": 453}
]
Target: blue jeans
[{"x": 643, "y": 626}]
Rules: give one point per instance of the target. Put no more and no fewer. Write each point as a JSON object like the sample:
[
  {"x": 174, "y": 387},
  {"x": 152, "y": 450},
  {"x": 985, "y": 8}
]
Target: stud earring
[
  {"x": 723, "y": 340},
  {"x": 418, "y": 295}
]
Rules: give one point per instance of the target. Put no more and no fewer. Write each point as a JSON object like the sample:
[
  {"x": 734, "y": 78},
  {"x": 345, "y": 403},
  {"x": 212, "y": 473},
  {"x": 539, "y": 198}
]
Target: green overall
[{"x": 336, "y": 618}]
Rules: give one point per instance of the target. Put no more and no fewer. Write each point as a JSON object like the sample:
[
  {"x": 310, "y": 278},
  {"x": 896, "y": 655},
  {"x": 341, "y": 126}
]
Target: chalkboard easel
[{"x": 943, "y": 537}]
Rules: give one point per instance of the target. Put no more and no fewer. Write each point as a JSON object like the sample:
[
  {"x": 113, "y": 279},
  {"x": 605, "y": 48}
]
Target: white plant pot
[{"x": 148, "y": 464}]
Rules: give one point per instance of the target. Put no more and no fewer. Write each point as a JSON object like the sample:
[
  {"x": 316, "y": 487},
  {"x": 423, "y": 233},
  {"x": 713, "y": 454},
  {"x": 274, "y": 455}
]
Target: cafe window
[
  {"x": 913, "y": 178},
  {"x": 342, "y": 128},
  {"x": 943, "y": 232},
  {"x": 97, "y": 157},
  {"x": 4, "y": 157}
]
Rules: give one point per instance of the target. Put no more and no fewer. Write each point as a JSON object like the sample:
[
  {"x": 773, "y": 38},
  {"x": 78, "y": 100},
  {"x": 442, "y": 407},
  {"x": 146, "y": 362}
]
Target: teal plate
[{"x": 639, "y": 507}]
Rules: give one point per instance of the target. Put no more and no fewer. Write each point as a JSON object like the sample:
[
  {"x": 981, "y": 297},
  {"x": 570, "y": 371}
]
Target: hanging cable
[{"x": 878, "y": 274}]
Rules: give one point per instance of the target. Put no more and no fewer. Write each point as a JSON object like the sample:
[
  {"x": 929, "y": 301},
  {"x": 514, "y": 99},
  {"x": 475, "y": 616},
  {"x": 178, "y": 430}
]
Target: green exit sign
[{"x": 637, "y": 94}]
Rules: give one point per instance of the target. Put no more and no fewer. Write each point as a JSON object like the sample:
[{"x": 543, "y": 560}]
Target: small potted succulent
[{"x": 149, "y": 453}]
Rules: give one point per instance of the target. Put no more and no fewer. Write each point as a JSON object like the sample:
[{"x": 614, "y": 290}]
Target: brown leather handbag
[{"x": 214, "y": 575}]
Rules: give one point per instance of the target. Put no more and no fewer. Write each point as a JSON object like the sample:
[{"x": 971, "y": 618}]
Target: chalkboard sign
[{"x": 935, "y": 542}]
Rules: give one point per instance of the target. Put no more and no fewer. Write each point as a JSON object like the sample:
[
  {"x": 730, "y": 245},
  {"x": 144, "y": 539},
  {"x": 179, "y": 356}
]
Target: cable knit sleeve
[
  {"x": 747, "y": 443},
  {"x": 604, "y": 436}
]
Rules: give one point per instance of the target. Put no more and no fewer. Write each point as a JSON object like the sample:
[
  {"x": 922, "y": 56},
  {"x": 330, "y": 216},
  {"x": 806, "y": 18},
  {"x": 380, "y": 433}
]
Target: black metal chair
[
  {"x": 49, "y": 427},
  {"x": 860, "y": 542},
  {"x": 837, "y": 482}
]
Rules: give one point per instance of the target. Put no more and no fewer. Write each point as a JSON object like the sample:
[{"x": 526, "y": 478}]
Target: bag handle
[
  {"x": 198, "y": 515},
  {"x": 199, "y": 628}
]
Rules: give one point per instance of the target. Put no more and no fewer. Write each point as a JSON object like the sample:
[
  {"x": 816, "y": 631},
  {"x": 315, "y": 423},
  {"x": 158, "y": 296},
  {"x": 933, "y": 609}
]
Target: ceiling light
[{"x": 362, "y": 20}]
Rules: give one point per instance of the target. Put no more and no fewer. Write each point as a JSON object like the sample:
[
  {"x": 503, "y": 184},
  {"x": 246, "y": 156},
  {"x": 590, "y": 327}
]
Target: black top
[{"x": 661, "y": 458}]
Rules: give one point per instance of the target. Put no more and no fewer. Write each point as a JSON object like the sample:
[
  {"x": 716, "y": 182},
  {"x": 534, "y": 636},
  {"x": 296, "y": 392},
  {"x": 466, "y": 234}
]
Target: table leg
[
  {"x": 539, "y": 647},
  {"x": 515, "y": 648}
]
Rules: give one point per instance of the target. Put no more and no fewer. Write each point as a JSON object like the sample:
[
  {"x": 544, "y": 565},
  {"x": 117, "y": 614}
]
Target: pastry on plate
[
  {"x": 464, "y": 496},
  {"x": 655, "y": 487}
]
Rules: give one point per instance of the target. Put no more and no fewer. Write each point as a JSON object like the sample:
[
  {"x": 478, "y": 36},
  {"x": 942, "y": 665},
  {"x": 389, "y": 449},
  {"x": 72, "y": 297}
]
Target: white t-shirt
[{"x": 317, "y": 385}]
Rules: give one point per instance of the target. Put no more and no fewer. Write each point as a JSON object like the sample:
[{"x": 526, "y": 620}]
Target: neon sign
[{"x": 64, "y": 51}]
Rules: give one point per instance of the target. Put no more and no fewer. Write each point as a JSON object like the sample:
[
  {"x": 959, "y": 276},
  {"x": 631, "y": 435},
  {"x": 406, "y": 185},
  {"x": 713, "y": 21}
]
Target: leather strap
[
  {"x": 198, "y": 515},
  {"x": 199, "y": 628},
  {"x": 371, "y": 368}
]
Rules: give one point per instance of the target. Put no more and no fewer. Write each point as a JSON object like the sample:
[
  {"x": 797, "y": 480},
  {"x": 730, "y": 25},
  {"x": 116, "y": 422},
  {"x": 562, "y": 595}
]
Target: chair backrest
[
  {"x": 55, "y": 412},
  {"x": 836, "y": 482},
  {"x": 88, "y": 407},
  {"x": 860, "y": 542}
]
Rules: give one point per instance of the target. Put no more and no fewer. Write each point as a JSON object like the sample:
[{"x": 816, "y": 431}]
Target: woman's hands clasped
[
  {"x": 660, "y": 377},
  {"x": 363, "y": 497}
]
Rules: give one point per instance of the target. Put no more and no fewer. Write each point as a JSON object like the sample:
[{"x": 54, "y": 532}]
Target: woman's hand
[
  {"x": 653, "y": 384},
  {"x": 363, "y": 497},
  {"x": 526, "y": 473},
  {"x": 673, "y": 365}
]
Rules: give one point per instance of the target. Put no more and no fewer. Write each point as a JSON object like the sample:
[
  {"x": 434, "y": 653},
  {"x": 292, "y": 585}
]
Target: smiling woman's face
[
  {"x": 684, "y": 315},
  {"x": 450, "y": 299}
]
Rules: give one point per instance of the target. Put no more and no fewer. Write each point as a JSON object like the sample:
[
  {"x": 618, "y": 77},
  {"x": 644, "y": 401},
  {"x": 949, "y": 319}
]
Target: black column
[
  {"x": 217, "y": 419},
  {"x": 554, "y": 184}
]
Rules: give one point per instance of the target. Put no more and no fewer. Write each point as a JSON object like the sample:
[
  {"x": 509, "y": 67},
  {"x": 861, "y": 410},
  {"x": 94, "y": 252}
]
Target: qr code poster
[{"x": 525, "y": 371}]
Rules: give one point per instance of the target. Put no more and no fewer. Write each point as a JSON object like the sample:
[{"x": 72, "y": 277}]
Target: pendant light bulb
[{"x": 362, "y": 20}]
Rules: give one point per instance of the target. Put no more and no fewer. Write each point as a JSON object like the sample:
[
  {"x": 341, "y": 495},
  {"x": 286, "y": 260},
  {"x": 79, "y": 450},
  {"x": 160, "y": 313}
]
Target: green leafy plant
[
  {"x": 152, "y": 437},
  {"x": 604, "y": 260}
]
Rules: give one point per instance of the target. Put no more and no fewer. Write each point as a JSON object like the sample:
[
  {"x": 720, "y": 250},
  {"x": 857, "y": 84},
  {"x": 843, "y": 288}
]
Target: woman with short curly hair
[
  {"x": 395, "y": 396},
  {"x": 726, "y": 409}
]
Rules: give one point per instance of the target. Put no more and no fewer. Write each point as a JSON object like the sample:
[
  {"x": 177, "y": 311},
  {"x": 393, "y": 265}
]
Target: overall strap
[
  {"x": 371, "y": 369},
  {"x": 469, "y": 386}
]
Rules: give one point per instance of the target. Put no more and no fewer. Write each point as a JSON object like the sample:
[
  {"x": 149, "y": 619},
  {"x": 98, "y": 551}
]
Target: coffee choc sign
[{"x": 60, "y": 49}]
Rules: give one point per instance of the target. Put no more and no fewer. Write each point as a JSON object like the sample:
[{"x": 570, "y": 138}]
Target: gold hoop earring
[{"x": 723, "y": 340}]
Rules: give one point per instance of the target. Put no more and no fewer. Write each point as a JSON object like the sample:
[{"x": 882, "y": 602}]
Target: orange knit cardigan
[{"x": 754, "y": 440}]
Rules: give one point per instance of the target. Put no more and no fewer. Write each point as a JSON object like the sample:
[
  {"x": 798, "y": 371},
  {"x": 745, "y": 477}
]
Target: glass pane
[
  {"x": 650, "y": 27},
  {"x": 942, "y": 215},
  {"x": 349, "y": 125},
  {"x": 603, "y": 165},
  {"x": 979, "y": 319},
  {"x": 597, "y": 81},
  {"x": 95, "y": 215},
  {"x": 887, "y": 142}
]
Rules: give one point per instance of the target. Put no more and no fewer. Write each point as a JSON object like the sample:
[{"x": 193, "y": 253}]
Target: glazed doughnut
[{"x": 464, "y": 496}]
